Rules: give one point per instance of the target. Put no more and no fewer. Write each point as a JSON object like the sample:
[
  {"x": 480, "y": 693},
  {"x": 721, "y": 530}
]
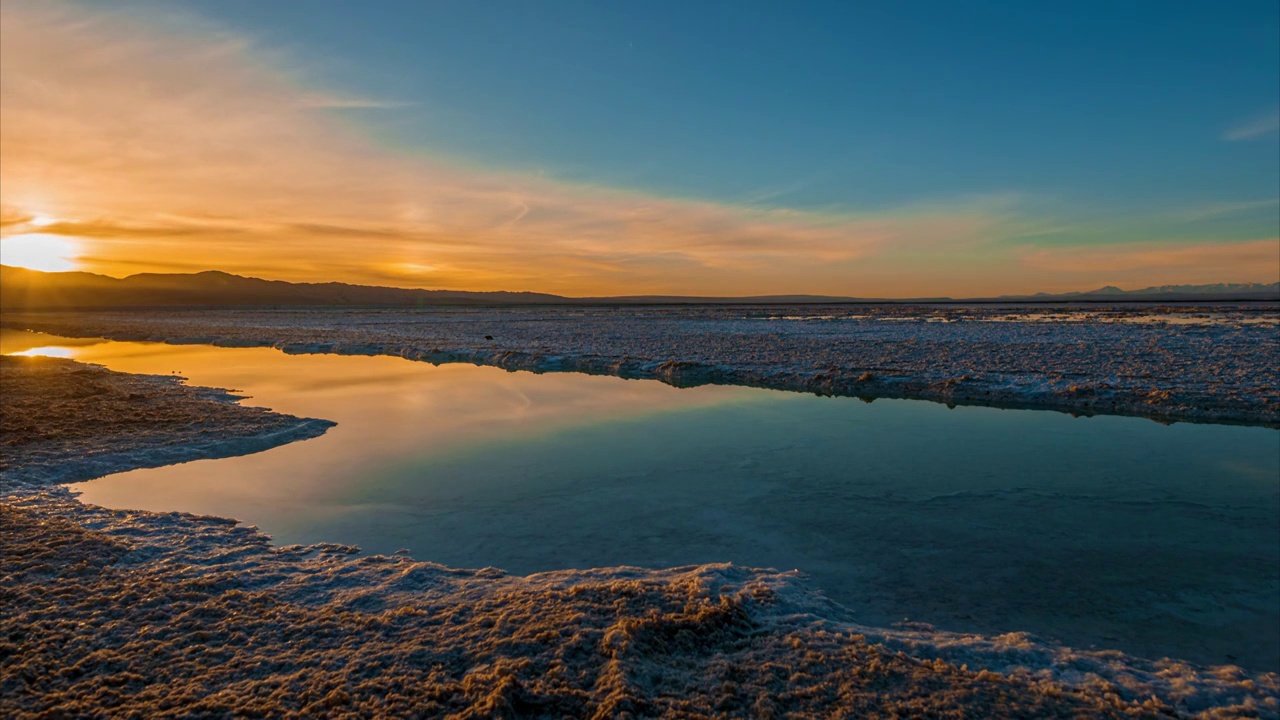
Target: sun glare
[
  {"x": 47, "y": 351},
  {"x": 35, "y": 251}
]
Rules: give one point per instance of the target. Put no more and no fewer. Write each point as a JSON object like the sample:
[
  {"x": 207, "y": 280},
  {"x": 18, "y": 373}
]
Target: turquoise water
[{"x": 1109, "y": 532}]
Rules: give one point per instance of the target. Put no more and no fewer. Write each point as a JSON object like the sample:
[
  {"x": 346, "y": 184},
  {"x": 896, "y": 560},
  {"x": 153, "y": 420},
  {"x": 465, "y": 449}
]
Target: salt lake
[{"x": 1097, "y": 532}]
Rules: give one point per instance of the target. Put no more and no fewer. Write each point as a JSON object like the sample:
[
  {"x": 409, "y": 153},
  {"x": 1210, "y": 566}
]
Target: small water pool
[{"x": 1106, "y": 532}]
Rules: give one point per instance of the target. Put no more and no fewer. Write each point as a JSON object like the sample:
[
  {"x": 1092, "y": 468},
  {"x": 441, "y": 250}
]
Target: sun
[{"x": 37, "y": 251}]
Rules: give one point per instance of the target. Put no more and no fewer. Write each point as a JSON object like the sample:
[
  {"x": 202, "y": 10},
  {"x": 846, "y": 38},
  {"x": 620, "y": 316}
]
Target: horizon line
[{"x": 693, "y": 299}]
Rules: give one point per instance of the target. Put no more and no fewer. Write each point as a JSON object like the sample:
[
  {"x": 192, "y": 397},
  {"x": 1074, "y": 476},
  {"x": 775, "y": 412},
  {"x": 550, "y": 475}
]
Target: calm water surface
[{"x": 1108, "y": 532}]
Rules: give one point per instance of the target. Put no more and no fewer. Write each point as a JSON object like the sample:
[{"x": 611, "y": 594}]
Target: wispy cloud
[
  {"x": 1212, "y": 210},
  {"x": 12, "y": 216},
  {"x": 1254, "y": 127},
  {"x": 340, "y": 102}
]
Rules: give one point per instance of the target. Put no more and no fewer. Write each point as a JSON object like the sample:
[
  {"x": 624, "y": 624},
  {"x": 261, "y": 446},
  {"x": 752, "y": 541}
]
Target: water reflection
[
  {"x": 386, "y": 408},
  {"x": 46, "y": 351},
  {"x": 1111, "y": 531}
]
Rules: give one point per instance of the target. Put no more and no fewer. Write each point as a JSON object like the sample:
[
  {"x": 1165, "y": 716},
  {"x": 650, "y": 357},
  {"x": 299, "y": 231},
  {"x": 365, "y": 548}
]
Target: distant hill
[
  {"x": 1170, "y": 293},
  {"x": 34, "y": 290},
  {"x": 22, "y": 288}
]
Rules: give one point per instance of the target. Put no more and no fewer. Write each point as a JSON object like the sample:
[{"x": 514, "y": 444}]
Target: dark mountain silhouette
[
  {"x": 1217, "y": 291},
  {"x": 34, "y": 290},
  {"x": 22, "y": 288}
]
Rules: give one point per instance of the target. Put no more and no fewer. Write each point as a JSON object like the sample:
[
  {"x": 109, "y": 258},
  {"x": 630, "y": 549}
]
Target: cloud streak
[{"x": 1254, "y": 128}]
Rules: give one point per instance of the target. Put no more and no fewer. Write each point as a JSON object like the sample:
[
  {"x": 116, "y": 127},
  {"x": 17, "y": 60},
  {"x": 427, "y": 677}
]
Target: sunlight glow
[
  {"x": 42, "y": 220},
  {"x": 47, "y": 351},
  {"x": 37, "y": 251}
]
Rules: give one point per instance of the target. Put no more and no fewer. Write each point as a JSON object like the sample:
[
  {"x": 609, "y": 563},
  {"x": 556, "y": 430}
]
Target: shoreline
[
  {"x": 1163, "y": 372},
  {"x": 120, "y": 597}
]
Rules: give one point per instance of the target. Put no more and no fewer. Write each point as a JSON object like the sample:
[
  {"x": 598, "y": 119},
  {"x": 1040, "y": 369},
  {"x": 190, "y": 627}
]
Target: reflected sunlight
[{"x": 47, "y": 351}]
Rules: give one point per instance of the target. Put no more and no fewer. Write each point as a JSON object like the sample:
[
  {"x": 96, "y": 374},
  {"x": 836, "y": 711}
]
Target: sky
[{"x": 610, "y": 148}]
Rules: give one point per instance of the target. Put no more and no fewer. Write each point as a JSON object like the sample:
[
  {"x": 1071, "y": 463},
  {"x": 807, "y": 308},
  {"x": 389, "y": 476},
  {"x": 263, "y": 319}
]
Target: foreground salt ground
[
  {"x": 1178, "y": 362},
  {"x": 110, "y": 613}
]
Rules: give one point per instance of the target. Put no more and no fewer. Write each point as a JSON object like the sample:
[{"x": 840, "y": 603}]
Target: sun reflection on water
[{"x": 47, "y": 351}]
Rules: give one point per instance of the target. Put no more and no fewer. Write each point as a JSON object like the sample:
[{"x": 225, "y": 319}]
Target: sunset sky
[{"x": 593, "y": 148}]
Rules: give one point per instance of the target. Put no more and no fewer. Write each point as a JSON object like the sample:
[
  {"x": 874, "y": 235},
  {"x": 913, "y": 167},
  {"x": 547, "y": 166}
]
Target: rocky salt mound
[
  {"x": 65, "y": 421},
  {"x": 110, "y": 613}
]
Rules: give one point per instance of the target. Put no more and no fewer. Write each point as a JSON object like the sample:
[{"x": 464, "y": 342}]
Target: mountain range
[{"x": 23, "y": 289}]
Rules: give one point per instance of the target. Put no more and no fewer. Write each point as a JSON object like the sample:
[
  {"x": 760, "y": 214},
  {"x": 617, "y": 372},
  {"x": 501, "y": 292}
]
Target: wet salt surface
[{"x": 1109, "y": 532}]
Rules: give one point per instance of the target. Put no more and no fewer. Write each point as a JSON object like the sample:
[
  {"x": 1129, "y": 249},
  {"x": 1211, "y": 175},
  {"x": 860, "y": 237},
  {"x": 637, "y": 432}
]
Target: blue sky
[
  {"x": 968, "y": 144},
  {"x": 853, "y": 105}
]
